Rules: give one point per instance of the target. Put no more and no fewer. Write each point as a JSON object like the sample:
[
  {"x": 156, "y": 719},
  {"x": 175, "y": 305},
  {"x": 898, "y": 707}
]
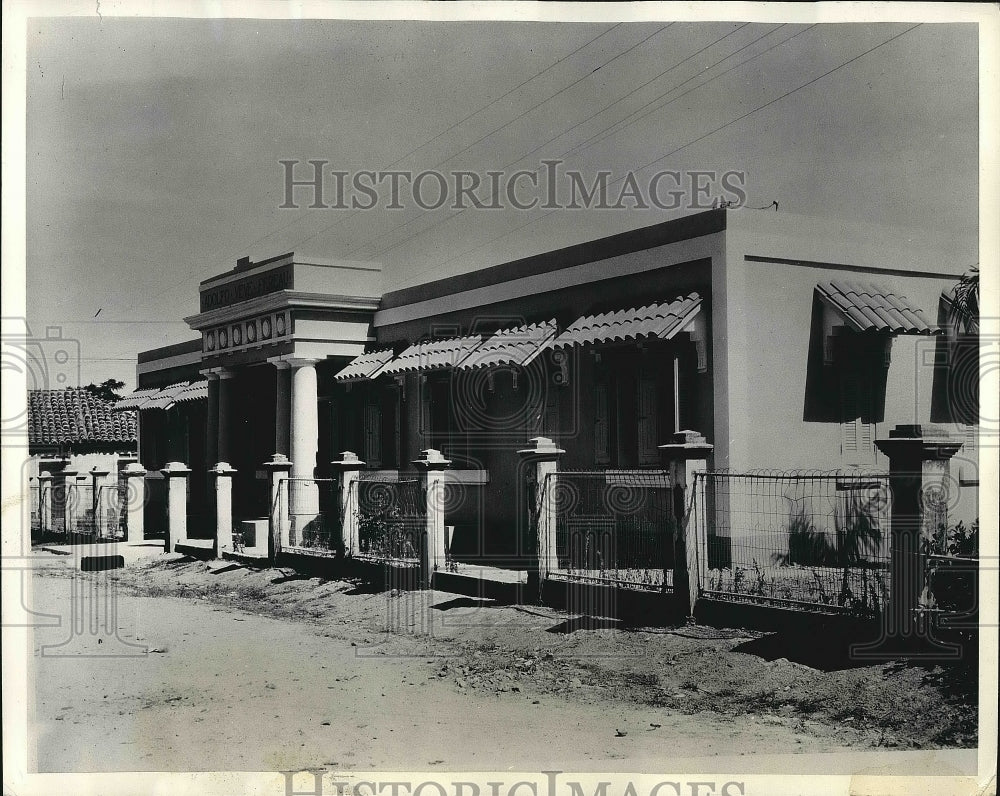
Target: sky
[{"x": 154, "y": 146}]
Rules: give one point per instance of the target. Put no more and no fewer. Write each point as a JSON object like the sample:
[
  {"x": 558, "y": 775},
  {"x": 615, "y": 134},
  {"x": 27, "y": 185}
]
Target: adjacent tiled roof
[
  {"x": 655, "y": 320},
  {"x": 365, "y": 366},
  {"x": 433, "y": 354},
  {"x": 76, "y": 415},
  {"x": 511, "y": 346},
  {"x": 868, "y": 307},
  {"x": 164, "y": 397}
]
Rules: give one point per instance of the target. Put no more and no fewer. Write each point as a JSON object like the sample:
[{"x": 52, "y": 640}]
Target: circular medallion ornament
[
  {"x": 223, "y": 339},
  {"x": 237, "y": 335},
  {"x": 279, "y": 324},
  {"x": 210, "y": 341},
  {"x": 265, "y": 328},
  {"x": 251, "y": 332}
]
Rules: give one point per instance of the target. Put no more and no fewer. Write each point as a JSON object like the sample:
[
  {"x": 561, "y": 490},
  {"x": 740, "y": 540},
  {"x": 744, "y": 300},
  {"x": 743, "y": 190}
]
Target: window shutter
[
  {"x": 866, "y": 442},
  {"x": 373, "y": 435},
  {"x": 648, "y": 431},
  {"x": 602, "y": 428},
  {"x": 849, "y": 440},
  {"x": 857, "y": 443}
]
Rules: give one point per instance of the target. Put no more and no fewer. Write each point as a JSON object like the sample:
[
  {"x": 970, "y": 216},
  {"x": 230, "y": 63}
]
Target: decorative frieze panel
[{"x": 264, "y": 330}]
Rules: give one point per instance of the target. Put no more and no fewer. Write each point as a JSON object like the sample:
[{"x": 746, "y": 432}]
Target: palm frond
[{"x": 964, "y": 305}]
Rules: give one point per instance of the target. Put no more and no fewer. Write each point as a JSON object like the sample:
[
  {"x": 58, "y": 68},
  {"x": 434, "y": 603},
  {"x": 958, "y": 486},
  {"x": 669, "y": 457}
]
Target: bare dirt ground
[{"x": 242, "y": 669}]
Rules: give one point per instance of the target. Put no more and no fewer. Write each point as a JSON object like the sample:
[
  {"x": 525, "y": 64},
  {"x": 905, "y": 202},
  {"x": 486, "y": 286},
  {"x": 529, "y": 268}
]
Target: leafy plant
[
  {"x": 384, "y": 533},
  {"x": 107, "y": 389},
  {"x": 807, "y": 546},
  {"x": 964, "y": 542},
  {"x": 958, "y": 540}
]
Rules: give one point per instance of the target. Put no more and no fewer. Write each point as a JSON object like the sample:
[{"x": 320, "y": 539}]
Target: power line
[
  {"x": 629, "y": 120},
  {"x": 690, "y": 143},
  {"x": 511, "y": 121},
  {"x": 569, "y": 129},
  {"x": 581, "y": 147},
  {"x": 577, "y": 146}
]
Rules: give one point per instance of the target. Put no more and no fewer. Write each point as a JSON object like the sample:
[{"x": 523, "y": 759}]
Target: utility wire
[
  {"x": 585, "y": 145},
  {"x": 633, "y": 118},
  {"x": 508, "y": 123},
  {"x": 381, "y": 233},
  {"x": 689, "y": 143}
]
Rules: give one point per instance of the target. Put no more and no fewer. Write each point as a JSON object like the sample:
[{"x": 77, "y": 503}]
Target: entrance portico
[{"x": 265, "y": 329}]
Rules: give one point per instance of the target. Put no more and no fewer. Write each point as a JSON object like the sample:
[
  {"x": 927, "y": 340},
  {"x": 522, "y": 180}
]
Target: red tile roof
[
  {"x": 868, "y": 307},
  {"x": 76, "y": 415}
]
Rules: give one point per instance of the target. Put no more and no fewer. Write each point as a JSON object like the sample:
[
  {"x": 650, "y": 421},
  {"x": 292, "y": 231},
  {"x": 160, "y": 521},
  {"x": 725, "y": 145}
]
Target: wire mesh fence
[
  {"x": 951, "y": 578},
  {"x": 795, "y": 538},
  {"x": 36, "y": 496},
  {"x": 390, "y": 511},
  {"x": 109, "y": 517},
  {"x": 614, "y": 526}
]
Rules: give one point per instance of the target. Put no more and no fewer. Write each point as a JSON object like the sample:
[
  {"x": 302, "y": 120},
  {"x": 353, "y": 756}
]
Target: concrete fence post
[
  {"x": 223, "y": 475},
  {"x": 135, "y": 502},
  {"x": 63, "y": 495},
  {"x": 543, "y": 454},
  {"x": 278, "y": 467},
  {"x": 918, "y": 485},
  {"x": 97, "y": 477},
  {"x": 80, "y": 505},
  {"x": 348, "y": 466},
  {"x": 45, "y": 479},
  {"x": 432, "y": 549},
  {"x": 686, "y": 454},
  {"x": 176, "y": 474}
]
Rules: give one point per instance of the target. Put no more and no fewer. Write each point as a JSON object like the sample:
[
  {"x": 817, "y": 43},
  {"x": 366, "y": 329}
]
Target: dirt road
[{"x": 224, "y": 689}]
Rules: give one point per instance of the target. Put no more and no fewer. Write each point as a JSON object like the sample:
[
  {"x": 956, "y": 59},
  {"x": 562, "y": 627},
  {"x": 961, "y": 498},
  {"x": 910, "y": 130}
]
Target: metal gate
[{"x": 615, "y": 527}]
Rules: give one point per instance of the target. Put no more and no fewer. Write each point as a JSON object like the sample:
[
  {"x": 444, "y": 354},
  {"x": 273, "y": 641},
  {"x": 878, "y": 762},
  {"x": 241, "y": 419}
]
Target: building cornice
[{"x": 281, "y": 300}]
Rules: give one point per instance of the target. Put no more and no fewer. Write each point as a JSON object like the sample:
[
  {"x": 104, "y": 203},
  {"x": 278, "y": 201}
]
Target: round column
[
  {"x": 304, "y": 495},
  {"x": 282, "y": 406},
  {"x": 223, "y": 448}
]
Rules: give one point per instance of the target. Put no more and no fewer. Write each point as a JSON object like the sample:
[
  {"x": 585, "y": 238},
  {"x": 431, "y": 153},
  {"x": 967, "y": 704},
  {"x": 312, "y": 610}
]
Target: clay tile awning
[
  {"x": 135, "y": 399},
  {"x": 195, "y": 391},
  {"x": 164, "y": 397},
  {"x": 661, "y": 321},
  {"x": 432, "y": 355},
  {"x": 867, "y": 307},
  {"x": 365, "y": 366},
  {"x": 511, "y": 346}
]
